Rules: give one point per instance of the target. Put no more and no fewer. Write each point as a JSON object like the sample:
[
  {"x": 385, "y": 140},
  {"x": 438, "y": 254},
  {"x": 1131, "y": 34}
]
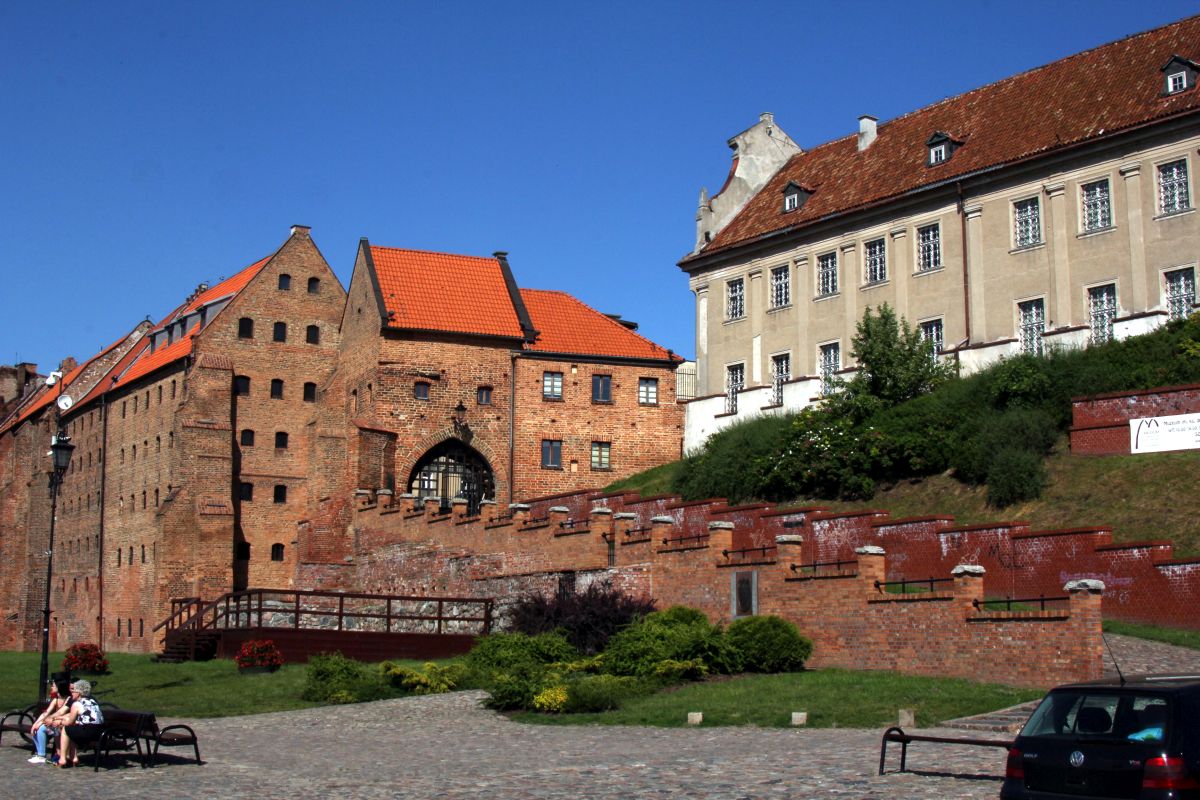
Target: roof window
[
  {"x": 1179, "y": 75},
  {"x": 941, "y": 147},
  {"x": 794, "y": 197}
]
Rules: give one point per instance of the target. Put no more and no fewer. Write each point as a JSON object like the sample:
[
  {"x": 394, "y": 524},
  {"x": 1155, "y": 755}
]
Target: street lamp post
[{"x": 60, "y": 451}]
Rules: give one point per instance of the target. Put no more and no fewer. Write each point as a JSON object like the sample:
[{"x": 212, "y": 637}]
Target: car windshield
[{"x": 1101, "y": 713}]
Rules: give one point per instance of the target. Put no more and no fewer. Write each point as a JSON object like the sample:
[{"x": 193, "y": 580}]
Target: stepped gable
[{"x": 1045, "y": 110}]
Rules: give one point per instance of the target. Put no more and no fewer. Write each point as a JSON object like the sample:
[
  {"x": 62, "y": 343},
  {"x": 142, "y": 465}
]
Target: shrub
[
  {"x": 430, "y": 679},
  {"x": 591, "y": 694},
  {"x": 85, "y": 657},
  {"x": 719, "y": 468},
  {"x": 551, "y": 700},
  {"x": 673, "y": 671},
  {"x": 587, "y": 619},
  {"x": 677, "y": 634},
  {"x": 258, "y": 653},
  {"x": 330, "y": 674},
  {"x": 516, "y": 688},
  {"x": 768, "y": 644},
  {"x": 504, "y": 652},
  {"x": 1015, "y": 475}
]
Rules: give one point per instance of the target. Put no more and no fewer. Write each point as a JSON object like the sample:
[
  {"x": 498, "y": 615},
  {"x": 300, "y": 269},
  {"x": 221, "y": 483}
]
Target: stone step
[{"x": 1005, "y": 720}]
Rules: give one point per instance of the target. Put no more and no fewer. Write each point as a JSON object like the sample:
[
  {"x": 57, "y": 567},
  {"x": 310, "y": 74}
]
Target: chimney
[
  {"x": 301, "y": 230},
  {"x": 866, "y": 131}
]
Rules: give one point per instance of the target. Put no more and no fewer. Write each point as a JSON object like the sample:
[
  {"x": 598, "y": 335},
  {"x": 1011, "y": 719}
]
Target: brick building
[{"x": 267, "y": 400}]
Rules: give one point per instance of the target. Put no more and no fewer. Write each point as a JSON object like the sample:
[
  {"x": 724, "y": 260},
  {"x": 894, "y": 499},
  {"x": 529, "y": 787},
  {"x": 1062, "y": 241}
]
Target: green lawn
[
  {"x": 833, "y": 698},
  {"x": 1175, "y": 636}
]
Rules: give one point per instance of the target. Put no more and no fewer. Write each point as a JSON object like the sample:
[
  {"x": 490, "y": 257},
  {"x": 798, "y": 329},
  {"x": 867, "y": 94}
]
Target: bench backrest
[{"x": 130, "y": 722}]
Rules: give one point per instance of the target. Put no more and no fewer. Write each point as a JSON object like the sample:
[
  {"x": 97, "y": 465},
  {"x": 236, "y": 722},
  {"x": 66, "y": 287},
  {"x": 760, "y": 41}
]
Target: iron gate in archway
[{"x": 453, "y": 470}]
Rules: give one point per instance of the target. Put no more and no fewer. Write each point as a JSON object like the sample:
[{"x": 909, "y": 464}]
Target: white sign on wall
[{"x": 1156, "y": 434}]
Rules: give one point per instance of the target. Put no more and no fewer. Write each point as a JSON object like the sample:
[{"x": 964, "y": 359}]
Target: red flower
[
  {"x": 259, "y": 653},
  {"x": 85, "y": 657}
]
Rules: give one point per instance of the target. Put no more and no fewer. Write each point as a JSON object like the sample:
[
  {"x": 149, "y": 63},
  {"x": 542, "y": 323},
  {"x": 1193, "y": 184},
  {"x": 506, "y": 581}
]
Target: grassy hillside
[{"x": 1150, "y": 496}]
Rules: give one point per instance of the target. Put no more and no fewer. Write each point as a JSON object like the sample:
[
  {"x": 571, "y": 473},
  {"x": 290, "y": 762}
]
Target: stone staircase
[{"x": 1005, "y": 720}]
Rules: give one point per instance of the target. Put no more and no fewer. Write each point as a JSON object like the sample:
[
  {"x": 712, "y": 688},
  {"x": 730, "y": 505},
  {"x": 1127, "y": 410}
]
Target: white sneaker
[{"x": 37, "y": 760}]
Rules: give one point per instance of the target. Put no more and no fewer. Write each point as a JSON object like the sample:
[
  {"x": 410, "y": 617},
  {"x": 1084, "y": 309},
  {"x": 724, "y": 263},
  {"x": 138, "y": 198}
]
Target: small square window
[
  {"x": 285, "y": 282},
  {"x": 245, "y": 328},
  {"x": 551, "y": 454},
  {"x": 280, "y": 493},
  {"x": 280, "y": 332},
  {"x": 552, "y": 385},
  {"x": 246, "y": 491},
  {"x": 602, "y": 388},
  {"x": 483, "y": 395},
  {"x": 314, "y": 285},
  {"x": 310, "y": 392},
  {"x": 281, "y": 440},
  {"x": 421, "y": 390},
  {"x": 312, "y": 334},
  {"x": 247, "y": 438},
  {"x": 937, "y": 154},
  {"x": 241, "y": 385},
  {"x": 648, "y": 391},
  {"x": 1176, "y": 82},
  {"x": 276, "y": 389},
  {"x": 277, "y": 552},
  {"x": 601, "y": 455}
]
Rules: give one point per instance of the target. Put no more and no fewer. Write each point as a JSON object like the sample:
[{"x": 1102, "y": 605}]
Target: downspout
[
  {"x": 962, "y": 222},
  {"x": 512, "y": 423},
  {"x": 103, "y": 498}
]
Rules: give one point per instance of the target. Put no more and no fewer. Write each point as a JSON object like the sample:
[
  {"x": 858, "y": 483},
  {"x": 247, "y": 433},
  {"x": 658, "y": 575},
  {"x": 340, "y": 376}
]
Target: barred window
[
  {"x": 830, "y": 363},
  {"x": 1173, "y": 187},
  {"x": 781, "y": 373},
  {"x": 601, "y": 455},
  {"x": 552, "y": 385},
  {"x": 1032, "y": 315},
  {"x": 827, "y": 274},
  {"x": 929, "y": 247},
  {"x": 875, "y": 261},
  {"x": 735, "y": 299},
  {"x": 648, "y": 391},
  {"x": 735, "y": 379},
  {"x": 1097, "y": 208},
  {"x": 932, "y": 331},
  {"x": 1027, "y": 223},
  {"x": 1181, "y": 292},
  {"x": 781, "y": 287},
  {"x": 1102, "y": 310}
]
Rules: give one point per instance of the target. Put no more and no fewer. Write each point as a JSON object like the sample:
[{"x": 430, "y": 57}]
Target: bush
[
  {"x": 591, "y": 694},
  {"x": 1015, "y": 475},
  {"x": 504, "y": 652},
  {"x": 85, "y": 657},
  {"x": 333, "y": 677},
  {"x": 551, "y": 700},
  {"x": 259, "y": 653},
  {"x": 430, "y": 679},
  {"x": 516, "y": 688},
  {"x": 768, "y": 644},
  {"x": 677, "y": 634},
  {"x": 587, "y": 619},
  {"x": 719, "y": 468}
]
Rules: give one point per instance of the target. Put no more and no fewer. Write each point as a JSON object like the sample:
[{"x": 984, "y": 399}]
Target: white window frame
[
  {"x": 1181, "y": 198},
  {"x": 791, "y": 202},
  {"x": 1095, "y": 212},
  {"x": 780, "y": 376},
  {"x": 828, "y": 368},
  {"x": 601, "y": 455},
  {"x": 1102, "y": 311},
  {"x": 648, "y": 391},
  {"x": 1032, "y": 344},
  {"x": 552, "y": 385},
  {"x": 827, "y": 274},
  {"x": 735, "y": 298},
  {"x": 781, "y": 286},
  {"x": 929, "y": 250},
  {"x": 875, "y": 263},
  {"x": 1179, "y": 305},
  {"x": 937, "y": 154},
  {"x": 1176, "y": 82},
  {"x": 1027, "y": 228}
]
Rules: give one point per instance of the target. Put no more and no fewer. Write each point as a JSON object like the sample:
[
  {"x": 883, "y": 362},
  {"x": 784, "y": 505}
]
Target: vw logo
[{"x": 1076, "y": 759}]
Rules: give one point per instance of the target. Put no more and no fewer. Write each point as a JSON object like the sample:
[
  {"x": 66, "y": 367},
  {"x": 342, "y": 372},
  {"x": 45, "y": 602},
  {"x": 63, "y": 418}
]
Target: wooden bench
[
  {"x": 170, "y": 736},
  {"x": 898, "y": 735}
]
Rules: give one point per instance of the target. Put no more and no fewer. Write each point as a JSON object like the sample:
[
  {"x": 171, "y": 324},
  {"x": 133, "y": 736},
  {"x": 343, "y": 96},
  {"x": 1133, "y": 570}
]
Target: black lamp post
[{"x": 60, "y": 451}]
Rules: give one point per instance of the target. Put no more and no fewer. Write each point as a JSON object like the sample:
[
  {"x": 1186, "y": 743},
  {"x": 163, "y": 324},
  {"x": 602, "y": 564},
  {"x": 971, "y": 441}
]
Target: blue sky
[{"x": 149, "y": 146}]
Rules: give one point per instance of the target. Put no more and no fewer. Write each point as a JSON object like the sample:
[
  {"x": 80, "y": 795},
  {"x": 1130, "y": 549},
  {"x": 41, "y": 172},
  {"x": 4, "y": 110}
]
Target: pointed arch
[{"x": 453, "y": 469}]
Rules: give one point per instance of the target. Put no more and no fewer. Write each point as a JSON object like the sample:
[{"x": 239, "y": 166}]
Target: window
[
  {"x": 830, "y": 362},
  {"x": 246, "y": 491},
  {"x": 932, "y": 331},
  {"x": 551, "y": 454},
  {"x": 310, "y": 392},
  {"x": 312, "y": 334},
  {"x": 937, "y": 154},
  {"x": 1097, "y": 208},
  {"x": 648, "y": 391},
  {"x": 245, "y": 328},
  {"x": 735, "y": 379},
  {"x": 1173, "y": 187},
  {"x": 794, "y": 196},
  {"x": 552, "y": 385},
  {"x": 280, "y": 334},
  {"x": 285, "y": 282},
  {"x": 241, "y": 385},
  {"x": 421, "y": 390},
  {"x": 1176, "y": 82},
  {"x": 875, "y": 261},
  {"x": 277, "y": 548},
  {"x": 602, "y": 388},
  {"x": 1027, "y": 223},
  {"x": 601, "y": 455},
  {"x": 791, "y": 202},
  {"x": 735, "y": 298},
  {"x": 276, "y": 389},
  {"x": 247, "y": 438},
  {"x": 1032, "y": 314},
  {"x": 1102, "y": 310},
  {"x": 781, "y": 287},
  {"x": 281, "y": 440},
  {"x": 744, "y": 591},
  {"x": 483, "y": 395},
  {"x": 1181, "y": 292},
  {"x": 929, "y": 247},
  {"x": 280, "y": 493},
  {"x": 827, "y": 274},
  {"x": 781, "y": 373},
  {"x": 314, "y": 285}
]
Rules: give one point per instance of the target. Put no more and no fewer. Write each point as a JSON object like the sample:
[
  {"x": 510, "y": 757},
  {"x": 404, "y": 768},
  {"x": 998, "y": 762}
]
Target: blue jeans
[{"x": 40, "y": 738}]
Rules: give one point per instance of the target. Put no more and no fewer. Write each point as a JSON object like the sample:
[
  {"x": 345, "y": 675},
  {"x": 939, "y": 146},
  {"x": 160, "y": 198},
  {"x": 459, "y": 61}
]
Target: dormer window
[
  {"x": 794, "y": 197},
  {"x": 1179, "y": 74},
  {"x": 941, "y": 147}
]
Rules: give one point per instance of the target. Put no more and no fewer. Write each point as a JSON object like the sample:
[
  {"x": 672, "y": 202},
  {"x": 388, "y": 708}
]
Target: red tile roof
[
  {"x": 567, "y": 325},
  {"x": 1099, "y": 92},
  {"x": 231, "y": 285},
  {"x": 147, "y": 362},
  {"x": 48, "y": 394},
  {"x": 444, "y": 292}
]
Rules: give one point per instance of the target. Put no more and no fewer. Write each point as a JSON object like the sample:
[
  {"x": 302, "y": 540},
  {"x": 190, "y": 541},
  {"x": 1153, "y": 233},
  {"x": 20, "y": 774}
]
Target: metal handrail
[
  {"x": 761, "y": 549},
  {"x": 681, "y": 539},
  {"x": 816, "y": 565},
  {"x": 906, "y": 582},
  {"x": 1008, "y": 602}
]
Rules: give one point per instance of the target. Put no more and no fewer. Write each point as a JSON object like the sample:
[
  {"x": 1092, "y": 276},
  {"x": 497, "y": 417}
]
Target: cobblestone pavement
[{"x": 447, "y": 746}]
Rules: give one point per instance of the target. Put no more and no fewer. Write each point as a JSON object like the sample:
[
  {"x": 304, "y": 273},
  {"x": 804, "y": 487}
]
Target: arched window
[
  {"x": 281, "y": 440},
  {"x": 247, "y": 437},
  {"x": 277, "y": 552},
  {"x": 285, "y": 282},
  {"x": 314, "y": 285},
  {"x": 245, "y": 329},
  {"x": 276, "y": 389},
  {"x": 280, "y": 332},
  {"x": 312, "y": 334}
]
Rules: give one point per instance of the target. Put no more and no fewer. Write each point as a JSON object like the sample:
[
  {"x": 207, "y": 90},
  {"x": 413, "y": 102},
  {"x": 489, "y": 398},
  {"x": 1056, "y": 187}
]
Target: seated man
[{"x": 82, "y": 725}]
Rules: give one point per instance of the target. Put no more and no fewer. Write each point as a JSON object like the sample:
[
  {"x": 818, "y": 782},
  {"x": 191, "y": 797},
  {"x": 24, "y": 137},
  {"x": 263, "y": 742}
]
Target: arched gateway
[{"x": 452, "y": 469}]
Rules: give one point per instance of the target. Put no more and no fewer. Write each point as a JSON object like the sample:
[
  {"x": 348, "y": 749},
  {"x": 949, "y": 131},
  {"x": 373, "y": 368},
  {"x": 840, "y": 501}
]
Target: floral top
[{"x": 89, "y": 712}]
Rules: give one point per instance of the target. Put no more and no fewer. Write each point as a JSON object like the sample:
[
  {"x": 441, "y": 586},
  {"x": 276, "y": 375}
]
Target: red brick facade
[{"x": 1100, "y": 423}]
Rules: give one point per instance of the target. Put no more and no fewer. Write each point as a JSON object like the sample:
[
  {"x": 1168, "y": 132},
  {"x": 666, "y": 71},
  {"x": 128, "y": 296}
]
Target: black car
[{"x": 1136, "y": 737}]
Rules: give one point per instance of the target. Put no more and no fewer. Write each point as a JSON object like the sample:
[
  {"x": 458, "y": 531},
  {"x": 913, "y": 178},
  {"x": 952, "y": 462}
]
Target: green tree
[{"x": 895, "y": 363}]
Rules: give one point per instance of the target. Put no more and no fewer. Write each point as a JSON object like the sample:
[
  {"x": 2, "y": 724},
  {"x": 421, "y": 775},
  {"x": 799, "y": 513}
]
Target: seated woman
[
  {"x": 50, "y": 720},
  {"x": 82, "y": 724}
]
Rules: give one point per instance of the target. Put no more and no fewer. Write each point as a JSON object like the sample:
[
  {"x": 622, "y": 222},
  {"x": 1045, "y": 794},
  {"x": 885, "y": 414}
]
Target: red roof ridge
[
  {"x": 600, "y": 314},
  {"x": 432, "y": 252}
]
